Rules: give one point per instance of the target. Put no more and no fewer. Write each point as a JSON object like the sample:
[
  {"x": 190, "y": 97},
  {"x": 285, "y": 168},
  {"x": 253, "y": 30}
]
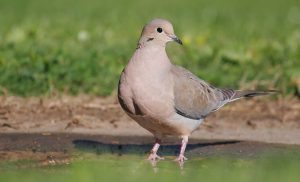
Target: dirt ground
[
  {"x": 34, "y": 126},
  {"x": 261, "y": 119}
]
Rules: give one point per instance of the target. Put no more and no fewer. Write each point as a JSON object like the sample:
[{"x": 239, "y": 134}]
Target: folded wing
[{"x": 194, "y": 98}]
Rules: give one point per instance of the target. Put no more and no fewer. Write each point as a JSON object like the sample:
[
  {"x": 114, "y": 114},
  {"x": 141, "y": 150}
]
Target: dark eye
[{"x": 159, "y": 30}]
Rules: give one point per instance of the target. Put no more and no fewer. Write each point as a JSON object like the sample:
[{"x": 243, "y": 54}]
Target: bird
[{"x": 164, "y": 98}]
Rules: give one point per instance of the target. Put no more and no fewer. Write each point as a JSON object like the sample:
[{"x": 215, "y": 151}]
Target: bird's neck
[
  {"x": 146, "y": 42},
  {"x": 150, "y": 61},
  {"x": 152, "y": 56}
]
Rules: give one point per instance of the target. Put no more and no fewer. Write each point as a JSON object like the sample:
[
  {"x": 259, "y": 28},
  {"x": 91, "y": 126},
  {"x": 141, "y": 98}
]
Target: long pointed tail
[{"x": 250, "y": 93}]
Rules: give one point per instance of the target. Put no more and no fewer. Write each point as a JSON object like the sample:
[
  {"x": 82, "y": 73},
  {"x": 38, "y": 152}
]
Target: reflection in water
[
  {"x": 170, "y": 149},
  {"x": 155, "y": 162},
  {"x": 154, "y": 165},
  {"x": 181, "y": 164}
]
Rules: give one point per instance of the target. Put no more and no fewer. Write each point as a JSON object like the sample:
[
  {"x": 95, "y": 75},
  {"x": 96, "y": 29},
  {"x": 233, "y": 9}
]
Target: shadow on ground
[
  {"x": 100, "y": 148},
  {"x": 67, "y": 143}
]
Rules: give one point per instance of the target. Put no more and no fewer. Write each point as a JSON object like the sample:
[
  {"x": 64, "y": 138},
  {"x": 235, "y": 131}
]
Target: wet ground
[
  {"x": 58, "y": 148},
  {"x": 53, "y": 130}
]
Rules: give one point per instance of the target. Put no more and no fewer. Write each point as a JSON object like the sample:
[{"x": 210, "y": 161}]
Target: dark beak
[{"x": 176, "y": 39}]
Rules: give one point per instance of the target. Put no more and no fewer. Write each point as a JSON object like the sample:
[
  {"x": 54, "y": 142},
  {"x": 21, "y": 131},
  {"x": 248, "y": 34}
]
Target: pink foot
[
  {"x": 181, "y": 158},
  {"x": 154, "y": 157},
  {"x": 153, "y": 154}
]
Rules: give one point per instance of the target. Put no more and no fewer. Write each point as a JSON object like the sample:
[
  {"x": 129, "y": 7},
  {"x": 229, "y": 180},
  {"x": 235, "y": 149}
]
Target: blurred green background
[{"x": 81, "y": 46}]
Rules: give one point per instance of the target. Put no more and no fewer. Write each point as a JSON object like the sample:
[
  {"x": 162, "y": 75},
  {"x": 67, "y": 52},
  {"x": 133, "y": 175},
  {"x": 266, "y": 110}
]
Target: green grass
[
  {"x": 135, "y": 168},
  {"x": 81, "y": 46}
]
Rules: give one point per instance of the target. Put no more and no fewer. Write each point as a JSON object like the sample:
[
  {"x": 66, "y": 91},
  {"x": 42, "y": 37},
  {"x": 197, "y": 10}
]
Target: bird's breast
[
  {"x": 147, "y": 78},
  {"x": 153, "y": 95}
]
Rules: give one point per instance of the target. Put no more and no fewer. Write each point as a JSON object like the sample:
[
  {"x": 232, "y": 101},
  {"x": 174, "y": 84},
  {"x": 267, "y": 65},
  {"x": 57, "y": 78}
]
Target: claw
[
  {"x": 153, "y": 154},
  {"x": 154, "y": 157},
  {"x": 181, "y": 158}
]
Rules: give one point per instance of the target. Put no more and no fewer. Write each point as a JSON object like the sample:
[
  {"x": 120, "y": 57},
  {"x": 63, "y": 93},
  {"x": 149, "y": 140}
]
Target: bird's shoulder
[{"x": 194, "y": 97}]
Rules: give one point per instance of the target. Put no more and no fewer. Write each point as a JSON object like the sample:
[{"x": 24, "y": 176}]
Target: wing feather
[{"x": 193, "y": 97}]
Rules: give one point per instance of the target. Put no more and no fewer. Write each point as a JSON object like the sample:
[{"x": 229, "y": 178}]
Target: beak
[{"x": 176, "y": 39}]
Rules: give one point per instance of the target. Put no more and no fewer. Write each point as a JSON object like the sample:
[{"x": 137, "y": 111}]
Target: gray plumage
[
  {"x": 164, "y": 98},
  {"x": 195, "y": 98}
]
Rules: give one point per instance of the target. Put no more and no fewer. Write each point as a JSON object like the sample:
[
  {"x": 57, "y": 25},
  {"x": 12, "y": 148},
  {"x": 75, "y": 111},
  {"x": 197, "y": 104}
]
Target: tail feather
[{"x": 250, "y": 93}]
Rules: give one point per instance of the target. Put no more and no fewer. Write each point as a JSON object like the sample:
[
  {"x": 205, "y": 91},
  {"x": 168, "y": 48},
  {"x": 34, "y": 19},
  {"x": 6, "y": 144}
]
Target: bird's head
[{"x": 158, "y": 32}]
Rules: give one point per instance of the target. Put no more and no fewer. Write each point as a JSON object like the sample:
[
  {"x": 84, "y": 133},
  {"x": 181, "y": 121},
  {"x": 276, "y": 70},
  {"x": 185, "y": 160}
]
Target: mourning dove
[{"x": 164, "y": 98}]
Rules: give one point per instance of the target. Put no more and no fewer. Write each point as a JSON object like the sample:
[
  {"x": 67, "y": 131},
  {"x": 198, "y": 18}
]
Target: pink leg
[
  {"x": 153, "y": 154},
  {"x": 181, "y": 157}
]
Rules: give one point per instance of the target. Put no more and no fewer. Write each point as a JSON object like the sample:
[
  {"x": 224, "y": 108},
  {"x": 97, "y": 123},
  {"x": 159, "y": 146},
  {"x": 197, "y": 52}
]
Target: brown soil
[
  {"x": 261, "y": 119},
  {"x": 41, "y": 128}
]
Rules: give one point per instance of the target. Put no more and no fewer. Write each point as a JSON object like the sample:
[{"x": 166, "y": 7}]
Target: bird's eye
[{"x": 159, "y": 30}]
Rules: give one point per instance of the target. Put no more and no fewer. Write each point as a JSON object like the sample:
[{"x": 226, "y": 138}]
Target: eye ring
[{"x": 159, "y": 30}]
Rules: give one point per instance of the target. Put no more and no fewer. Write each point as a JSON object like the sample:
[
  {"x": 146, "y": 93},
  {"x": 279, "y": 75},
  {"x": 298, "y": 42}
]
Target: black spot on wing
[
  {"x": 211, "y": 86},
  {"x": 187, "y": 116}
]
